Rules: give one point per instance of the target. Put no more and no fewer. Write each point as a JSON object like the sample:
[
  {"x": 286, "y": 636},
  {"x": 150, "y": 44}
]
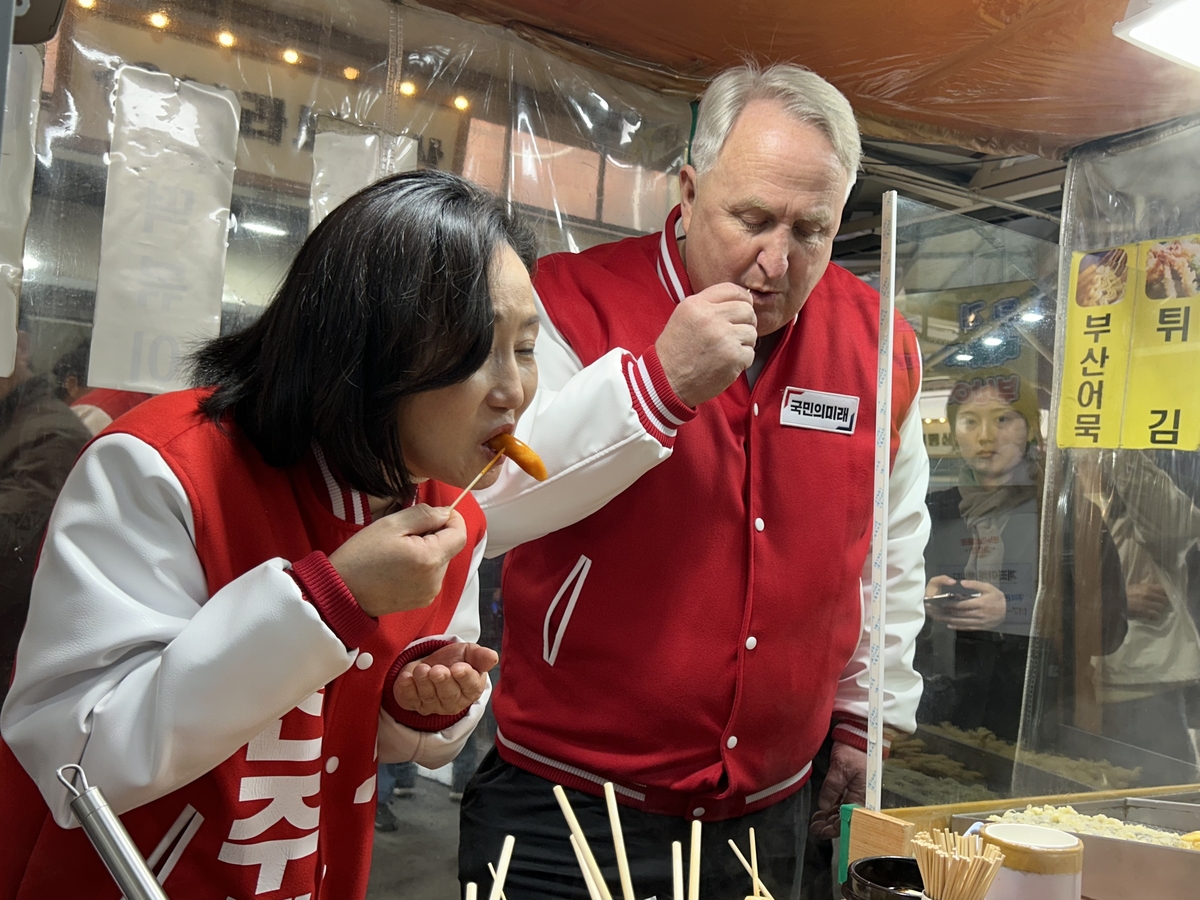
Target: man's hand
[
  {"x": 982, "y": 613},
  {"x": 846, "y": 782},
  {"x": 445, "y": 682},
  {"x": 398, "y": 562},
  {"x": 1148, "y": 601},
  {"x": 708, "y": 342}
]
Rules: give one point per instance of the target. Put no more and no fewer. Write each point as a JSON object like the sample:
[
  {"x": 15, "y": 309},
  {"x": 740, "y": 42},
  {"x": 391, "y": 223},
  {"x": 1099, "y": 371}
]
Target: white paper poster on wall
[
  {"x": 163, "y": 239},
  {"x": 345, "y": 162},
  {"x": 16, "y": 187}
]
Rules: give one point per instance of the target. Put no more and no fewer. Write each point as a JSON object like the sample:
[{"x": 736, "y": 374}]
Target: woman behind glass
[{"x": 982, "y": 558}]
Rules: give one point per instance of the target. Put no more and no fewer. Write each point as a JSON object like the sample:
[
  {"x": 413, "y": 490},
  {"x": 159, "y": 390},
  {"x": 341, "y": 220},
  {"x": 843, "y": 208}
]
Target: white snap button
[
  {"x": 756, "y": 409},
  {"x": 331, "y": 764},
  {"x": 364, "y": 660},
  {"x": 759, "y": 525},
  {"x": 698, "y": 811},
  {"x": 732, "y": 742},
  {"x": 751, "y": 642}
]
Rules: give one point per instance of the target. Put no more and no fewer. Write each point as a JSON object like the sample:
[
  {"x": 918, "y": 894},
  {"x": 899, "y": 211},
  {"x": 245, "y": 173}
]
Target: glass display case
[{"x": 1063, "y": 446}]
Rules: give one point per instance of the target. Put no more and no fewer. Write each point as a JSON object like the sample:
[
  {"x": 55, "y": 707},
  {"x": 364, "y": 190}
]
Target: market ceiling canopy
[{"x": 1001, "y": 76}]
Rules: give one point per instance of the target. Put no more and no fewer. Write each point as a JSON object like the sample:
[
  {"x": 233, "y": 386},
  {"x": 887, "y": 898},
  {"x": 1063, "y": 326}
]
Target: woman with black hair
[{"x": 247, "y": 588}]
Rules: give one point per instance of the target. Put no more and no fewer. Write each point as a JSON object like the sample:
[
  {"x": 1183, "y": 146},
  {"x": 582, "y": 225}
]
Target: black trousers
[{"x": 502, "y": 799}]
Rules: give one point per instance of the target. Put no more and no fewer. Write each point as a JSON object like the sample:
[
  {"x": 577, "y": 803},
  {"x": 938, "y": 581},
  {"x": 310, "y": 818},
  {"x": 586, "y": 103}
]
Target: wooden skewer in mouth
[
  {"x": 474, "y": 481},
  {"x": 518, "y": 451}
]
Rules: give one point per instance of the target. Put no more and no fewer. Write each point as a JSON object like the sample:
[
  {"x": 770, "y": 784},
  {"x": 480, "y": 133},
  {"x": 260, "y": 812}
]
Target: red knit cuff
[
  {"x": 658, "y": 408},
  {"x": 407, "y": 717},
  {"x": 852, "y": 730},
  {"x": 662, "y": 386},
  {"x": 323, "y": 587}
]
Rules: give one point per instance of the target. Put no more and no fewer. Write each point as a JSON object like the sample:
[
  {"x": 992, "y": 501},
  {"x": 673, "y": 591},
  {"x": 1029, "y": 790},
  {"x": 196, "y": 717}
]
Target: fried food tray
[{"x": 1117, "y": 869}]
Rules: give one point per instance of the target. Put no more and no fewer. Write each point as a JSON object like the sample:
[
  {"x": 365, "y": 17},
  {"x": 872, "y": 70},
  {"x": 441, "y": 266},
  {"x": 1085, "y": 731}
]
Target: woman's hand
[
  {"x": 398, "y": 562},
  {"x": 445, "y": 682},
  {"x": 982, "y": 613}
]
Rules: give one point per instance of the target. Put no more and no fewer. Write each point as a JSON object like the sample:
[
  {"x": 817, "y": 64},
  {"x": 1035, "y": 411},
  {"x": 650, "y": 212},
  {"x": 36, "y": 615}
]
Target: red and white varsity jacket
[
  {"x": 230, "y": 705},
  {"x": 684, "y": 611}
]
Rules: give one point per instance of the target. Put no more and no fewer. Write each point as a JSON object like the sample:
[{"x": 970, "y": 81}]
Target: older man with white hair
[{"x": 684, "y": 597}]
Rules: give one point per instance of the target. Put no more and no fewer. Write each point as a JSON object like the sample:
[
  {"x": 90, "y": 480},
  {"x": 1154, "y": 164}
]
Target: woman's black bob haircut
[{"x": 388, "y": 297}]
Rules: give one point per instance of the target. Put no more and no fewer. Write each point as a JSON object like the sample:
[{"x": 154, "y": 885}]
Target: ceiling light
[
  {"x": 992, "y": 341},
  {"x": 261, "y": 228},
  {"x": 290, "y": 56},
  {"x": 461, "y": 103},
  {"x": 159, "y": 20},
  {"x": 1032, "y": 317},
  {"x": 407, "y": 88},
  {"x": 86, "y": 4},
  {"x": 350, "y": 72},
  {"x": 1166, "y": 28},
  {"x": 964, "y": 357},
  {"x": 226, "y": 39}
]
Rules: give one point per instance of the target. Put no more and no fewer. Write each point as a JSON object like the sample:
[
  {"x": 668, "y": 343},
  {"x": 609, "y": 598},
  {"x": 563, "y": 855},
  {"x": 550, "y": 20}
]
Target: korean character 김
[{"x": 1165, "y": 427}]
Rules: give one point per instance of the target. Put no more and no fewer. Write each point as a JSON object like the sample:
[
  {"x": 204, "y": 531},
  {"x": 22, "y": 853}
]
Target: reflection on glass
[
  {"x": 39, "y": 439},
  {"x": 1147, "y": 686}
]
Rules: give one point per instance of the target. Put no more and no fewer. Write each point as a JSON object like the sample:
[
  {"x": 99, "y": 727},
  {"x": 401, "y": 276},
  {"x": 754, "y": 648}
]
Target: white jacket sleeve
[
  {"x": 587, "y": 427},
  {"x": 908, "y": 533},
  {"x": 127, "y": 666},
  {"x": 399, "y": 743}
]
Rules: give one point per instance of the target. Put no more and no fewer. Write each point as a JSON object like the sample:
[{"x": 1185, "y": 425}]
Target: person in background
[
  {"x": 251, "y": 590},
  {"x": 96, "y": 407},
  {"x": 1146, "y": 684},
  {"x": 39, "y": 440},
  {"x": 684, "y": 611}
]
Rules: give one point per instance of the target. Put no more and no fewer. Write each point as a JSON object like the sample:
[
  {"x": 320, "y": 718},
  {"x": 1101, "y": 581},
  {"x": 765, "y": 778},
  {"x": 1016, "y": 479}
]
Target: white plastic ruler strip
[
  {"x": 163, "y": 239},
  {"x": 16, "y": 187},
  {"x": 344, "y": 163},
  {"x": 883, "y": 446}
]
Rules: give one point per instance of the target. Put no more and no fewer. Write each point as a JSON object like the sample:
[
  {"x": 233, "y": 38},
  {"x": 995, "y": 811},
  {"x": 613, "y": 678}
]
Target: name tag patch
[{"x": 818, "y": 410}]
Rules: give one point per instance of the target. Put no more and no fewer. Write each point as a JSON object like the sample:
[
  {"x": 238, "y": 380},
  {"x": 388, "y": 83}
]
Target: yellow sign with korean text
[
  {"x": 1161, "y": 399},
  {"x": 1100, "y": 314}
]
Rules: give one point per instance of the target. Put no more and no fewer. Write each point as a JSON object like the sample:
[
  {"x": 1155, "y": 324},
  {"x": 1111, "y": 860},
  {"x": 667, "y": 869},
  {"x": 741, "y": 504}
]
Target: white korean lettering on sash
[
  {"x": 818, "y": 410},
  {"x": 286, "y": 794}
]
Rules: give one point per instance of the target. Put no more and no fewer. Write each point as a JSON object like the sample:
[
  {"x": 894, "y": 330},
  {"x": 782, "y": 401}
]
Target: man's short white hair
[{"x": 805, "y": 95}]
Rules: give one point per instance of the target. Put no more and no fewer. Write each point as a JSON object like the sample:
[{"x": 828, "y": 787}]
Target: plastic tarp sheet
[
  {"x": 587, "y": 157},
  {"x": 1001, "y": 76}
]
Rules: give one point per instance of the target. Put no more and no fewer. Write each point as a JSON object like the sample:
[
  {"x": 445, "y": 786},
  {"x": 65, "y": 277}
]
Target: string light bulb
[
  {"x": 226, "y": 39},
  {"x": 86, "y": 4},
  {"x": 407, "y": 88},
  {"x": 290, "y": 56},
  {"x": 350, "y": 72},
  {"x": 159, "y": 20},
  {"x": 461, "y": 103}
]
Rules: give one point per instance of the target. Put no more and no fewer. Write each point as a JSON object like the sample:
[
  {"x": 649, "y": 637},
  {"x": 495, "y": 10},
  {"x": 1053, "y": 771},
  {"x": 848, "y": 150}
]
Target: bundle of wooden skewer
[
  {"x": 955, "y": 866},
  {"x": 594, "y": 880},
  {"x": 597, "y": 887}
]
